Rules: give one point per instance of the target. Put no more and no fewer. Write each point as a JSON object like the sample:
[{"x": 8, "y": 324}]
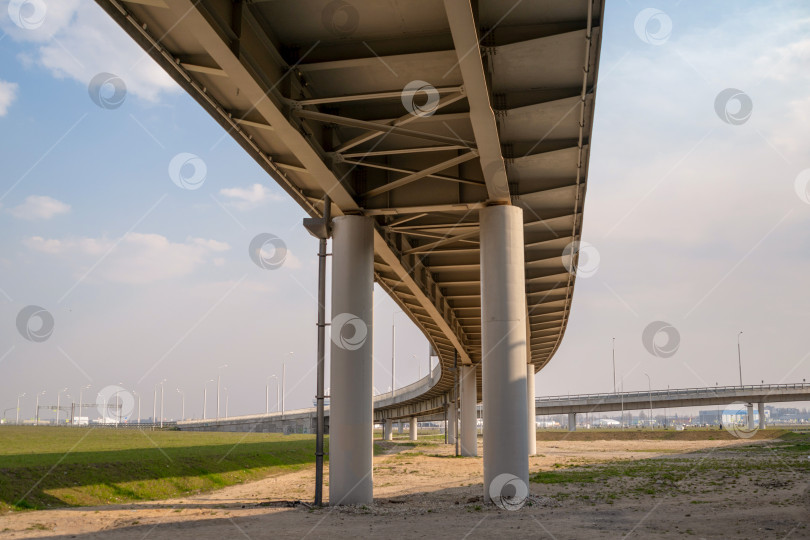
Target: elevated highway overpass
[
  {"x": 683, "y": 397},
  {"x": 552, "y": 405},
  {"x": 450, "y": 142}
]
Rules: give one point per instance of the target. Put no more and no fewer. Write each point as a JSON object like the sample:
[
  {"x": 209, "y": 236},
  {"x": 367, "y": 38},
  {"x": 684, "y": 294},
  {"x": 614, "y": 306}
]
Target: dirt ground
[{"x": 423, "y": 491}]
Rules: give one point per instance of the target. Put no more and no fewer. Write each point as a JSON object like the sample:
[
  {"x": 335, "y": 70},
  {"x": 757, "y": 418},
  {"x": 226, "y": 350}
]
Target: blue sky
[{"x": 696, "y": 222}]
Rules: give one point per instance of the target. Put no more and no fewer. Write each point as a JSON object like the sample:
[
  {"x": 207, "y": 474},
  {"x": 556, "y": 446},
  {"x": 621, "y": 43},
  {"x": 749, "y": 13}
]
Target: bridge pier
[
  {"x": 503, "y": 340},
  {"x": 400, "y": 427},
  {"x": 530, "y": 407},
  {"x": 761, "y": 410},
  {"x": 351, "y": 418},
  {"x": 469, "y": 418},
  {"x": 412, "y": 430},
  {"x": 388, "y": 430},
  {"x": 452, "y": 423},
  {"x": 572, "y": 421},
  {"x": 750, "y": 414}
]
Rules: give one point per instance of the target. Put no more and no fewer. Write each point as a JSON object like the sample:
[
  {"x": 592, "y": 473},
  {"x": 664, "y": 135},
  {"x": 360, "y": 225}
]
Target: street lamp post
[
  {"x": 278, "y": 393},
  {"x": 219, "y": 378},
  {"x": 614, "y": 365},
  {"x": 154, "y": 404},
  {"x": 81, "y": 391},
  {"x": 267, "y": 394},
  {"x": 649, "y": 389},
  {"x": 739, "y": 357},
  {"x": 205, "y": 397},
  {"x": 117, "y": 408},
  {"x": 284, "y": 382},
  {"x": 139, "y": 406},
  {"x": 183, "y": 398},
  {"x": 394, "y": 350},
  {"x": 17, "y": 422},
  {"x": 37, "y": 411},
  {"x": 227, "y": 395},
  {"x": 58, "y": 394}
]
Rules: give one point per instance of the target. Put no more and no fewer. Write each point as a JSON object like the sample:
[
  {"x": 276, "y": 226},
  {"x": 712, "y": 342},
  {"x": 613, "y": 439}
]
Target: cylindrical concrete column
[
  {"x": 399, "y": 426},
  {"x": 572, "y": 421},
  {"x": 452, "y": 423},
  {"x": 503, "y": 342},
  {"x": 749, "y": 407},
  {"x": 469, "y": 418},
  {"x": 388, "y": 430},
  {"x": 351, "y": 414},
  {"x": 412, "y": 429},
  {"x": 530, "y": 409},
  {"x": 761, "y": 410}
]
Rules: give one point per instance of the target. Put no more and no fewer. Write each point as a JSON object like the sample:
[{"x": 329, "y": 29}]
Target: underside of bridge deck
[{"x": 416, "y": 114}]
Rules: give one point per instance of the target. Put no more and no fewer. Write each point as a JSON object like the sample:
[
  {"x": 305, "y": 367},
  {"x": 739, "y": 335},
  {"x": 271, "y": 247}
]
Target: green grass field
[{"x": 50, "y": 467}]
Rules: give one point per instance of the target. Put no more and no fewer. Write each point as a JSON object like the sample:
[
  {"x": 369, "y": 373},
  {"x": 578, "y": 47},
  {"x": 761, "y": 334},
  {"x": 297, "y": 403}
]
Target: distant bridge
[
  {"x": 684, "y": 397},
  {"x": 302, "y": 420}
]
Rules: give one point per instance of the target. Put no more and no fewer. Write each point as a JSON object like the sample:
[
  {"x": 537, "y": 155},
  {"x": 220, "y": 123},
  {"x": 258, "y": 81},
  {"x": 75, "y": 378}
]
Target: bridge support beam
[
  {"x": 351, "y": 411},
  {"x": 412, "y": 429},
  {"x": 452, "y": 423},
  {"x": 400, "y": 427},
  {"x": 572, "y": 421},
  {"x": 530, "y": 408},
  {"x": 388, "y": 430},
  {"x": 503, "y": 341},
  {"x": 749, "y": 407},
  {"x": 761, "y": 410},
  {"x": 469, "y": 418}
]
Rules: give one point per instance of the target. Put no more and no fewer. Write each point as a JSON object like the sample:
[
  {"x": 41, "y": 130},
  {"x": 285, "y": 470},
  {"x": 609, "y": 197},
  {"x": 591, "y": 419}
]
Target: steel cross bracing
[{"x": 416, "y": 112}]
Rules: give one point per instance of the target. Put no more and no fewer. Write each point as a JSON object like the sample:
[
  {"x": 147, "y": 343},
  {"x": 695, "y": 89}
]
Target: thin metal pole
[
  {"x": 161, "y": 405},
  {"x": 319, "y": 392},
  {"x": 455, "y": 398},
  {"x": 205, "y": 398},
  {"x": 283, "y": 386},
  {"x": 649, "y": 390},
  {"x": 614, "y": 365},
  {"x": 393, "y": 353},
  {"x": 739, "y": 357}
]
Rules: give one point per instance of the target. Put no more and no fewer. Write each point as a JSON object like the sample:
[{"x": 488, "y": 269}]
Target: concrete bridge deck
[
  {"x": 303, "y": 420},
  {"x": 682, "y": 397}
]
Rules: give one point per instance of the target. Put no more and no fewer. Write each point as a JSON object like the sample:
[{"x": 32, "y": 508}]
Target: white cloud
[
  {"x": 78, "y": 40},
  {"x": 136, "y": 259},
  {"x": 250, "y": 197},
  {"x": 8, "y": 93},
  {"x": 291, "y": 262},
  {"x": 39, "y": 207},
  {"x": 54, "y": 246}
]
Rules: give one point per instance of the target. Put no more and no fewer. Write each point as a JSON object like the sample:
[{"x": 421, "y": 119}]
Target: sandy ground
[{"x": 422, "y": 492}]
